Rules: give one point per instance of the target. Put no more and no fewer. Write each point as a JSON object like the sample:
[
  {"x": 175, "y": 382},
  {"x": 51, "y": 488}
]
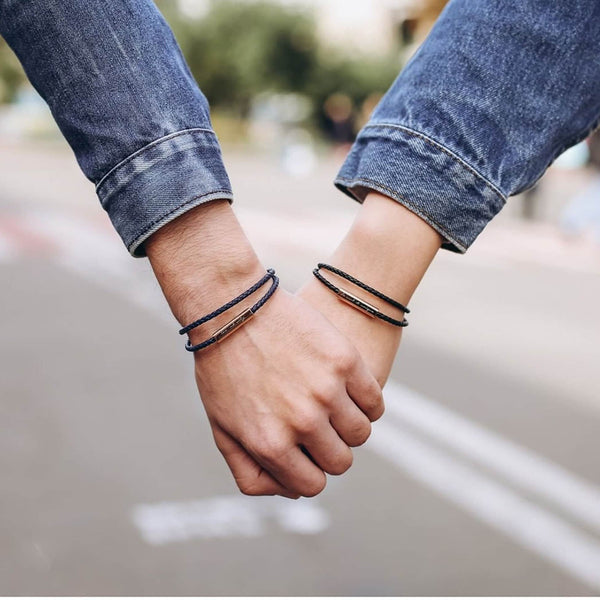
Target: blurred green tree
[
  {"x": 240, "y": 49},
  {"x": 11, "y": 73},
  {"x": 357, "y": 78}
]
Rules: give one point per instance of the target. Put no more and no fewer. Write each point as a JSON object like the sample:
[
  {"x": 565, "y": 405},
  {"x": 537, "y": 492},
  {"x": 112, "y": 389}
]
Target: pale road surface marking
[
  {"x": 519, "y": 465},
  {"x": 522, "y": 521},
  {"x": 8, "y": 252},
  {"x": 227, "y": 516}
]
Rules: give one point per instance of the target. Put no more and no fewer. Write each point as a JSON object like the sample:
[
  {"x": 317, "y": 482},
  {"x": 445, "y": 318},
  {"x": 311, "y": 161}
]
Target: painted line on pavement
[
  {"x": 519, "y": 465},
  {"x": 226, "y": 517},
  {"x": 8, "y": 252},
  {"x": 19, "y": 239},
  {"x": 524, "y": 522}
]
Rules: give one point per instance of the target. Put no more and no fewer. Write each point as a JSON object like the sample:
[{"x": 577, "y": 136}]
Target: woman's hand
[{"x": 389, "y": 248}]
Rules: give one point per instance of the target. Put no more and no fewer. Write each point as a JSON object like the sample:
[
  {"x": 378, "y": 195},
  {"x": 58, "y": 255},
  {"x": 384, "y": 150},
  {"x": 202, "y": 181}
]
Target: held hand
[
  {"x": 286, "y": 381},
  {"x": 376, "y": 341},
  {"x": 389, "y": 248},
  {"x": 284, "y": 388}
]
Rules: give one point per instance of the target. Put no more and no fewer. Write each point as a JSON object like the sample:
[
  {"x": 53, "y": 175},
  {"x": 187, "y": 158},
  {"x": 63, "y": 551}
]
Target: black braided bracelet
[
  {"x": 238, "y": 320},
  {"x": 364, "y": 286},
  {"x": 270, "y": 274},
  {"x": 358, "y": 302}
]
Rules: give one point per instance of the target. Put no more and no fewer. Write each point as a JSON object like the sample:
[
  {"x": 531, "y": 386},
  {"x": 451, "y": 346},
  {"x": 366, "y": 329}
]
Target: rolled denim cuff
[
  {"x": 430, "y": 180},
  {"x": 160, "y": 182}
]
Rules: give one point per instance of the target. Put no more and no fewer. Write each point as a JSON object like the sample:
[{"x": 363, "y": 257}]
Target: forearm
[
  {"x": 122, "y": 95},
  {"x": 202, "y": 260},
  {"x": 389, "y": 248}
]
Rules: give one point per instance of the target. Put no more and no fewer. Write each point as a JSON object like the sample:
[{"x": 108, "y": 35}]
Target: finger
[
  {"x": 249, "y": 476},
  {"x": 288, "y": 465},
  {"x": 351, "y": 424},
  {"x": 363, "y": 388},
  {"x": 328, "y": 450}
]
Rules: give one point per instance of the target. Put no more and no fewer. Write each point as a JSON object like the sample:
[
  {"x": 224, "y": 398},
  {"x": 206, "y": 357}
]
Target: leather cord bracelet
[
  {"x": 239, "y": 319},
  {"x": 364, "y": 286},
  {"x": 357, "y": 302}
]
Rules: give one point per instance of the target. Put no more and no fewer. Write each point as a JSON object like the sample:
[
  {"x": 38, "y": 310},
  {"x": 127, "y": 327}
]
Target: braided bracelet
[
  {"x": 239, "y": 319},
  {"x": 364, "y": 286},
  {"x": 357, "y": 302}
]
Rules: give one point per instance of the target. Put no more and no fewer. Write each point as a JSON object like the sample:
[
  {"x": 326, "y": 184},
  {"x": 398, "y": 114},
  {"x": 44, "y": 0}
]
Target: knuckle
[
  {"x": 361, "y": 432},
  {"x": 327, "y": 391},
  {"x": 221, "y": 447},
  {"x": 274, "y": 450},
  {"x": 307, "y": 421},
  {"x": 248, "y": 488},
  {"x": 314, "y": 487},
  {"x": 377, "y": 411},
  {"x": 341, "y": 463},
  {"x": 271, "y": 447},
  {"x": 345, "y": 360},
  {"x": 373, "y": 402}
]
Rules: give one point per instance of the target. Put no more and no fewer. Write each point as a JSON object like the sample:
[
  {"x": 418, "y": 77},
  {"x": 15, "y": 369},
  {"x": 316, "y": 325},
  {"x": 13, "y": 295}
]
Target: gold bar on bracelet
[
  {"x": 234, "y": 324},
  {"x": 356, "y": 302}
]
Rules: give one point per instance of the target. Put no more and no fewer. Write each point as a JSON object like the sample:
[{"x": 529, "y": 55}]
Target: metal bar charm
[
  {"x": 356, "y": 302},
  {"x": 234, "y": 324}
]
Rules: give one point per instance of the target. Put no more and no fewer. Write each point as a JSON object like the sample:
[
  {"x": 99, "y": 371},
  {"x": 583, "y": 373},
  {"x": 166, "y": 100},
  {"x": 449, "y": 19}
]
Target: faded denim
[
  {"x": 498, "y": 90},
  {"x": 123, "y": 96}
]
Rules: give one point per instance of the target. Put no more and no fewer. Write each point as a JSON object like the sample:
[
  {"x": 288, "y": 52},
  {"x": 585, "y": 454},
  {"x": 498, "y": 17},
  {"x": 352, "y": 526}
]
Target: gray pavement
[{"x": 483, "y": 478}]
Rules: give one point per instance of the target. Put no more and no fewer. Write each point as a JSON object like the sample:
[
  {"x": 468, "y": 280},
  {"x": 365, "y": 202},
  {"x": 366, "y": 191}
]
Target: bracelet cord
[
  {"x": 215, "y": 313},
  {"x": 364, "y": 286},
  {"x": 376, "y": 313},
  {"x": 253, "y": 309}
]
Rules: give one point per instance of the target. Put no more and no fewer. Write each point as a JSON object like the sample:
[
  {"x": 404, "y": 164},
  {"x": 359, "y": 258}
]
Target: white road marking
[
  {"x": 520, "y": 466},
  {"x": 98, "y": 256},
  {"x": 8, "y": 252},
  {"x": 225, "y": 517},
  {"x": 524, "y": 522}
]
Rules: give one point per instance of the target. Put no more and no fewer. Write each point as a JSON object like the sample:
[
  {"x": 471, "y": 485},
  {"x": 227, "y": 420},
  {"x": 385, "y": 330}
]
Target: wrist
[
  {"x": 388, "y": 246},
  {"x": 202, "y": 259}
]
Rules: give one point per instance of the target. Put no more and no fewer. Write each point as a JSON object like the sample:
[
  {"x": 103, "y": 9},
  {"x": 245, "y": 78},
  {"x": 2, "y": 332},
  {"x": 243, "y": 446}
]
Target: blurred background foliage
[
  {"x": 11, "y": 74},
  {"x": 239, "y": 50},
  {"x": 243, "y": 51}
]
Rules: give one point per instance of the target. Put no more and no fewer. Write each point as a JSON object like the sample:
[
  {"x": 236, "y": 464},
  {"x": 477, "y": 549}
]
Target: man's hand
[
  {"x": 286, "y": 381},
  {"x": 286, "y": 395},
  {"x": 390, "y": 248}
]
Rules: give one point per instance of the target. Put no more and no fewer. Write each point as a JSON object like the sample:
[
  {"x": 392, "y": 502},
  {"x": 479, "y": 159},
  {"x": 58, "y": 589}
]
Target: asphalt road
[{"x": 483, "y": 478}]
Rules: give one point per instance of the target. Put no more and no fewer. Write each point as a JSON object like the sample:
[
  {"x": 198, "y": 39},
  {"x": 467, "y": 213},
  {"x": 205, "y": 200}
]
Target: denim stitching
[
  {"x": 148, "y": 146},
  {"x": 443, "y": 149},
  {"x": 178, "y": 207},
  {"x": 369, "y": 183}
]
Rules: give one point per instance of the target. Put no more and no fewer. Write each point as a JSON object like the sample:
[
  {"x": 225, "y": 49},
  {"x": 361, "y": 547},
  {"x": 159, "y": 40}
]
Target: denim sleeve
[
  {"x": 122, "y": 95},
  {"x": 498, "y": 90}
]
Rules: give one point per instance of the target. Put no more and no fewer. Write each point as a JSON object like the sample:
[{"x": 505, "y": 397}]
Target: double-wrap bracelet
[
  {"x": 239, "y": 319},
  {"x": 357, "y": 302}
]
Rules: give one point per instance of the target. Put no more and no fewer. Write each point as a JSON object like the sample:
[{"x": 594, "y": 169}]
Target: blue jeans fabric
[
  {"x": 497, "y": 91},
  {"x": 122, "y": 95}
]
